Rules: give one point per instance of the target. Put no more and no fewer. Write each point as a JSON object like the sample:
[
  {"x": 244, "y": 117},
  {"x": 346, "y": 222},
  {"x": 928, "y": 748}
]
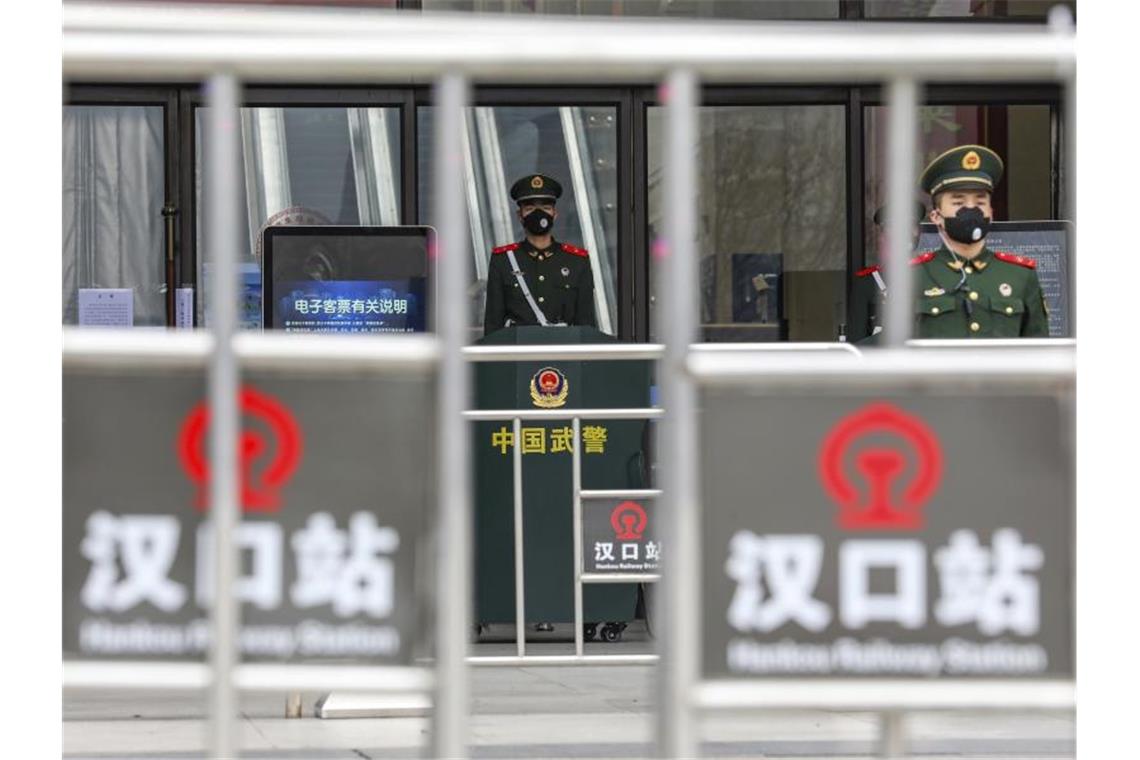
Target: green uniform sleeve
[
  {"x": 1036, "y": 318},
  {"x": 860, "y": 311},
  {"x": 584, "y": 313},
  {"x": 495, "y": 315}
]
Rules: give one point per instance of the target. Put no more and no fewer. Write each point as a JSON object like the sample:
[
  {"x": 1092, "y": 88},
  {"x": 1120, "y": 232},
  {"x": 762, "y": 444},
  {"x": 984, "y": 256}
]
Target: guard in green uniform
[
  {"x": 538, "y": 280},
  {"x": 964, "y": 289},
  {"x": 869, "y": 290}
]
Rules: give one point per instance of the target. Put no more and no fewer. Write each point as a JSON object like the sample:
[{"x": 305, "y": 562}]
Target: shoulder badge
[
  {"x": 505, "y": 248},
  {"x": 1010, "y": 258},
  {"x": 922, "y": 258},
  {"x": 574, "y": 250},
  {"x": 868, "y": 271}
]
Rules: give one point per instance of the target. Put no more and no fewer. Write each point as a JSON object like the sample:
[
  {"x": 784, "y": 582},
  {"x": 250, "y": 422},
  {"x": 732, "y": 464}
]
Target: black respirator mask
[
  {"x": 538, "y": 222},
  {"x": 969, "y": 225}
]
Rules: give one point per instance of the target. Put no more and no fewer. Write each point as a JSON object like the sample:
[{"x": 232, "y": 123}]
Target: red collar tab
[
  {"x": 505, "y": 248},
  {"x": 922, "y": 258},
  {"x": 867, "y": 271},
  {"x": 1010, "y": 258},
  {"x": 573, "y": 250}
]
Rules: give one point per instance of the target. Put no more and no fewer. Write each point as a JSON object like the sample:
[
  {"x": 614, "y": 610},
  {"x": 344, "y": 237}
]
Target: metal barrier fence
[
  {"x": 603, "y": 352},
  {"x": 116, "y": 42},
  {"x": 93, "y": 353},
  {"x": 999, "y": 370},
  {"x": 516, "y": 416}
]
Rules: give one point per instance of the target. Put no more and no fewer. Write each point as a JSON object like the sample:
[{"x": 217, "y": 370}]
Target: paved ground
[{"x": 531, "y": 712}]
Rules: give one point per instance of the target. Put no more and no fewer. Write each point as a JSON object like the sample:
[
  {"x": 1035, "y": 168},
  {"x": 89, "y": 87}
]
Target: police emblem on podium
[{"x": 549, "y": 388}]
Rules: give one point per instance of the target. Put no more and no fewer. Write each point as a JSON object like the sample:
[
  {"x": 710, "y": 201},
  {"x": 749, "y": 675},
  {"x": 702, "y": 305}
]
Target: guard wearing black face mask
[
  {"x": 538, "y": 280},
  {"x": 964, "y": 289}
]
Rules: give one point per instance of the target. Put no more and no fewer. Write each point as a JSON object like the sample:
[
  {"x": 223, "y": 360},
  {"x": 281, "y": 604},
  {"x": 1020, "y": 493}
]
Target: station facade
[{"x": 790, "y": 175}]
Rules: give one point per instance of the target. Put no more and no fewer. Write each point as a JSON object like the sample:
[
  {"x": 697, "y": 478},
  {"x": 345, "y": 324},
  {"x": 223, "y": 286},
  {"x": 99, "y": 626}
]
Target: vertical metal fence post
[
  {"x": 221, "y": 180},
  {"x": 677, "y": 620},
  {"x": 1062, "y": 24},
  {"x": 576, "y": 487},
  {"x": 902, "y": 106},
  {"x": 451, "y": 270},
  {"x": 520, "y": 558},
  {"x": 892, "y": 735}
]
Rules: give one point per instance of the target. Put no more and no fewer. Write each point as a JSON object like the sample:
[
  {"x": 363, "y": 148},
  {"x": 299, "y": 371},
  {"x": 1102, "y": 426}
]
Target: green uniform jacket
[
  {"x": 559, "y": 279},
  {"x": 994, "y": 295}
]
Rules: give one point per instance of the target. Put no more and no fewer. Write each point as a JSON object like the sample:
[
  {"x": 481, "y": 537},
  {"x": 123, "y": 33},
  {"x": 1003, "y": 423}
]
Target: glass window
[
  {"x": 772, "y": 220},
  {"x": 733, "y": 9},
  {"x": 1021, "y": 134},
  {"x": 904, "y": 9},
  {"x": 113, "y": 193},
  {"x": 577, "y": 145},
  {"x": 305, "y": 166}
]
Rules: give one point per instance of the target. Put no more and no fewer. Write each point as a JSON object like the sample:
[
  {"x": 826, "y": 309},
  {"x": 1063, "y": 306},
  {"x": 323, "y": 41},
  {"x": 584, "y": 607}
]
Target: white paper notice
[
  {"x": 184, "y": 307},
  {"x": 106, "y": 307}
]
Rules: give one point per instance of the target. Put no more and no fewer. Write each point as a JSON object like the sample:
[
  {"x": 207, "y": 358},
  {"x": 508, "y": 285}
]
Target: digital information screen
[
  {"x": 346, "y": 279},
  {"x": 1046, "y": 242}
]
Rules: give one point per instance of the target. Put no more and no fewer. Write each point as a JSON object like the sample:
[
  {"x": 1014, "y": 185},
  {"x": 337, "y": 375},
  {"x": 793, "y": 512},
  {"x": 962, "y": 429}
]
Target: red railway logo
[
  {"x": 260, "y": 491},
  {"x": 886, "y": 504}
]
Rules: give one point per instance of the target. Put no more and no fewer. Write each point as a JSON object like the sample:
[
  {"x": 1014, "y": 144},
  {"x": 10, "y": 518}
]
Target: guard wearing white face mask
[
  {"x": 538, "y": 280},
  {"x": 964, "y": 289}
]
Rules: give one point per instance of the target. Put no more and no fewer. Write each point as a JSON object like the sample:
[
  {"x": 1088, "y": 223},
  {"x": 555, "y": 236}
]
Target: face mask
[
  {"x": 969, "y": 225},
  {"x": 538, "y": 222}
]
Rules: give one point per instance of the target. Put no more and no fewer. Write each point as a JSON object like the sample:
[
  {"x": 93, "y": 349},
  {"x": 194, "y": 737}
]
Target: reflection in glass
[
  {"x": 772, "y": 220},
  {"x": 577, "y": 145},
  {"x": 113, "y": 193},
  {"x": 305, "y": 166}
]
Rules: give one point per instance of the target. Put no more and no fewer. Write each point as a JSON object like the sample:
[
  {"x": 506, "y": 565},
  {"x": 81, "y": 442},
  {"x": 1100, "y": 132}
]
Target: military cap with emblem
[
  {"x": 966, "y": 167},
  {"x": 536, "y": 187}
]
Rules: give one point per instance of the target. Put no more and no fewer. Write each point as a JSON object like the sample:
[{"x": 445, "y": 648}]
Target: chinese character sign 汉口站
[
  {"x": 892, "y": 535},
  {"x": 620, "y": 536},
  {"x": 334, "y": 487}
]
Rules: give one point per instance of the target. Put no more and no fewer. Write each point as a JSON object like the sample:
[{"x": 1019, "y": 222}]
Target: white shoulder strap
[
  {"x": 879, "y": 282},
  {"x": 525, "y": 290}
]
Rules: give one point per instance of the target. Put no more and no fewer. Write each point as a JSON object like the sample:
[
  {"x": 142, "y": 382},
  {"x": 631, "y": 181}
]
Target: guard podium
[{"x": 612, "y": 457}]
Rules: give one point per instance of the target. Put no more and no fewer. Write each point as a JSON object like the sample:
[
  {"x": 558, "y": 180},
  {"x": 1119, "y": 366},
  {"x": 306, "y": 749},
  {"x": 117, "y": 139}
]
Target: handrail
[
  {"x": 568, "y": 352},
  {"x": 123, "y": 41},
  {"x": 253, "y": 350},
  {"x": 884, "y": 365}
]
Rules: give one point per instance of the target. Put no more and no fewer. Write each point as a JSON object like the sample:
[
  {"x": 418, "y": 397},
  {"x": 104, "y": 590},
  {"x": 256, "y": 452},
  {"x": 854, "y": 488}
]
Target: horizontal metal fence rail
[
  {"x": 193, "y": 676},
  {"x": 147, "y": 42},
  {"x": 582, "y": 352},
  {"x": 295, "y": 352},
  {"x": 886, "y": 695},
  {"x": 638, "y": 351},
  {"x": 884, "y": 365},
  {"x": 992, "y": 343}
]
